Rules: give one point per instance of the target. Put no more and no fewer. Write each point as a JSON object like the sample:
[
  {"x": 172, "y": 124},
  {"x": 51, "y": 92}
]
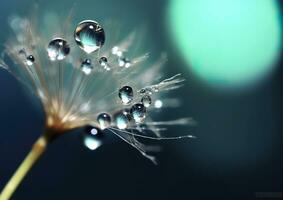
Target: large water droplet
[
  {"x": 58, "y": 49},
  {"x": 92, "y": 137},
  {"x": 89, "y": 35},
  {"x": 138, "y": 112},
  {"x": 146, "y": 100},
  {"x": 104, "y": 120},
  {"x": 30, "y": 60},
  {"x": 121, "y": 120},
  {"x": 126, "y": 94},
  {"x": 86, "y": 66}
]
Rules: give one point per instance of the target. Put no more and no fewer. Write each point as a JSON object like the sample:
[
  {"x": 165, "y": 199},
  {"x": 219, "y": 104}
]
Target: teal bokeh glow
[{"x": 227, "y": 43}]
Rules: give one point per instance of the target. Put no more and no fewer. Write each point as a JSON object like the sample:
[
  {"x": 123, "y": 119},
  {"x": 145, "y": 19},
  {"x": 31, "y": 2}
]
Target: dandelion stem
[{"x": 35, "y": 153}]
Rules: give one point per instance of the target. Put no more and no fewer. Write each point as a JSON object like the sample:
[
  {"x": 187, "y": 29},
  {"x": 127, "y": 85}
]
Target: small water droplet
[
  {"x": 89, "y": 35},
  {"x": 86, "y": 66},
  {"x": 138, "y": 112},
  {"x": 116, "y": 51},
  {"x": 155, "y": 88},
  {"x": 30, "y": 60},
  {"x": 104, "y": 63},
  {"x": 124, "y": 62},
  {"x": 146, "y": 101},
  {"x": 104, "y": 120},
  {"x": 92, "y": 137},
  {"x": 121, "y": 120},
  {"x": 145, "y": 91},
  {"x": 58, "y": 49},
  {"x": 126, "y": 94}
]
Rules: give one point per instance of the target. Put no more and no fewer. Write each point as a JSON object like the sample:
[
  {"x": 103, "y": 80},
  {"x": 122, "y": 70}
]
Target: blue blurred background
[{"x": 230, "y": 53}]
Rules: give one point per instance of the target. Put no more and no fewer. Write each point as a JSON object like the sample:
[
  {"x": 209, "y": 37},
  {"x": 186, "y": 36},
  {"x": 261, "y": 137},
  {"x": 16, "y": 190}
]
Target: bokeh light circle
[{"x": 227, "y": 43}]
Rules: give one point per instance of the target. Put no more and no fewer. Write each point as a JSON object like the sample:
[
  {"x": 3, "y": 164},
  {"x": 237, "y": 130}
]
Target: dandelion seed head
[{"x": 82, "y": 84}]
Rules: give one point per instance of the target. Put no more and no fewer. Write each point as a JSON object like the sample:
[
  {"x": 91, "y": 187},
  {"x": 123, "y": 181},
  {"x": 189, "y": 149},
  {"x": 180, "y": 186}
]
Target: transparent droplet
[
  {"x": 58, "y": 49},
  {"x": 126, "y": 94},
  {"x": 116, "y": 51},
  {"x": 124, "y": 62},
  {"x": 145, "y": 91},
  {"x": 127, "y": 113},
  {"x": 103, "y": 61},
  {"x": 86, "y": 66},
  {"x": 30, "y": 60},
  {"x": 89, "y": 35},
  {"x": 104, "y": 120},
  {"x": 146, "y": 101},
  {"x": 138, "y": 112},
  {"x": 92, "y": 137},
  {"x": 121, "y": 120}
]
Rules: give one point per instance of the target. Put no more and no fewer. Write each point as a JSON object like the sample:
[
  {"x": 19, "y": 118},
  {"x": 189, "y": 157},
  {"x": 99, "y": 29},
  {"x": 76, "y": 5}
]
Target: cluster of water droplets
[
  {"x": 88, "y": 35},
  {"x": 122, "y": 60},
  {"x": 133, "y": 104},
  {"x": 134, "y": 114}
]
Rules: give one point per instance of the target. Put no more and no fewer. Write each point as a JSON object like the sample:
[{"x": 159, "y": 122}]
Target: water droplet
[
  {"x": 58, "y": 49},
  {"x": 138, "y": 112},
  {"x": 104, "y": 63},
  {"x": 155, "y": 88},
  {"x": 126, "y": 94},
  {"x": 92, "y": 137},
  {"x": 86, "y": 66},
  {"x": 145, "y": 91},
  {"x": 89, "y": 35},
  {"x": 116, "y": 51},
  {"x": 30, "y": 60},
  {"x": 104, "y": 120},
  {"x": 146, "y": 101},
  {"x": 121, "y": 120},
  {"x": 124, "y": 62}
]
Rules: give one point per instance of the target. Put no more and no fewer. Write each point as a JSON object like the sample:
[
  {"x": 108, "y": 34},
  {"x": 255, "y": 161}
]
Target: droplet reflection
[{"x": 89, "y": 35}]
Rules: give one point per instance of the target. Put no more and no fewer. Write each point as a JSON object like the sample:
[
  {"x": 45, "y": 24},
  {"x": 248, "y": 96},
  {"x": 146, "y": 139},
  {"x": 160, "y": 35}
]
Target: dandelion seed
[{"x": 77, "y": 88}]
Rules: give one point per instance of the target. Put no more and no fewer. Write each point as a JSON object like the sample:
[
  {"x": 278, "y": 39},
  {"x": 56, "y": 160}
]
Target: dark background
[{"x": 238, "y": 151}]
